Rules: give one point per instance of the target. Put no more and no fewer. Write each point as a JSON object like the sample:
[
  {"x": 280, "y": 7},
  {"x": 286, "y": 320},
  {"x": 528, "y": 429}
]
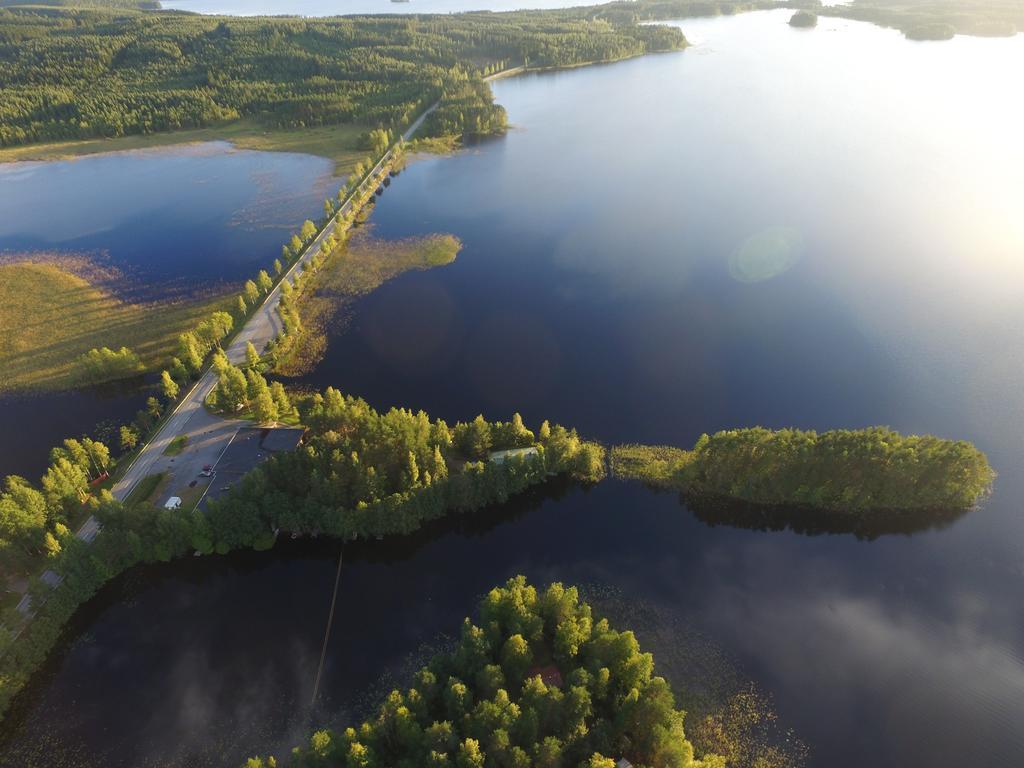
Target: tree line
[
  {"x": 539, "y": 682},
  {"x": 75, "y": 73}
]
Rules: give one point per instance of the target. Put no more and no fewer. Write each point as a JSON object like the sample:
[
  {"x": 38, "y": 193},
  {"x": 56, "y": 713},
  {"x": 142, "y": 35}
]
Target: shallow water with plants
[
  {"x": 178, "y": 220},
  {"x": 798, "y": 228}
]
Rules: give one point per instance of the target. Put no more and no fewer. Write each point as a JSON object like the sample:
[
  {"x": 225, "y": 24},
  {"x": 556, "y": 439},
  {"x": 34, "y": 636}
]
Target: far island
[
  {"x": 803, "y": 19},
  {"x": 541, "y": 681},
  {"x": 847, "y": 471}
]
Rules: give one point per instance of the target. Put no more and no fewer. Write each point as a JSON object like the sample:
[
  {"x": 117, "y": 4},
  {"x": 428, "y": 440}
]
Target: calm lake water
[
  {"x": 780, "y": 227},
  {"x": 182, "y": 219},
  {"x": 176, "y": 221}
]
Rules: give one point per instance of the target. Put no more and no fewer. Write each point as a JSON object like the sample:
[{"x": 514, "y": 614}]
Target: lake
[
  {"x": 781, "y": 227},
  {"x": 182, "y": 219},
  {"x": 173, "y": 222}
]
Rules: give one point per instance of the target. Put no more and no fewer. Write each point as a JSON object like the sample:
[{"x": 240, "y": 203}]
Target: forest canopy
[
  {"x": 75, "y": 73},
  {"x": 540, "y": 681}
]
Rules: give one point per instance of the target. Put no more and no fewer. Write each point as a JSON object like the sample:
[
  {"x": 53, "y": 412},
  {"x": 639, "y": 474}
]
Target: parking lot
[{"x": 249, "y": 448}]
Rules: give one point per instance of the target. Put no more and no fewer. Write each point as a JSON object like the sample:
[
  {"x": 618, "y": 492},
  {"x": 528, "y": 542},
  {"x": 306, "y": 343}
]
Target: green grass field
[
  {"x": 353, "y": 270},
  {"x": 339, "y": 143},
  {"x": 145, "y": 488},
  {"x": 50, "y": 316}
]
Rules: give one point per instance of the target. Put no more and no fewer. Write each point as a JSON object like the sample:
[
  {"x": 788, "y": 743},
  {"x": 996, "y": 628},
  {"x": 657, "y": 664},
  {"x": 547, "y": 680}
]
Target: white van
[{"x": 173, "y": 503}]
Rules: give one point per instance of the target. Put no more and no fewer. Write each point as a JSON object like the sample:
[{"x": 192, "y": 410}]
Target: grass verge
[
  {"x": 145, "y": 488},
  {"x": 176, "y": 446}
]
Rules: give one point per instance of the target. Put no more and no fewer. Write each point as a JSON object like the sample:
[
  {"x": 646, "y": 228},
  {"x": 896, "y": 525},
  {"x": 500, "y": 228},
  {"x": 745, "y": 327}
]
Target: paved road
[{"x": 208, "y": 434}]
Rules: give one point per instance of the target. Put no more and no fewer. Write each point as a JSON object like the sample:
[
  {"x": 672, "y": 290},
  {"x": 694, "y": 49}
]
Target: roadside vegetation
[
  {"x": 353, "y": 269},
  {"x": 176, "y": 446},
  {"x": 539, "y": 681},
  {"x": 60, "y": 316},
  {"x": 144, "y": 491},
  {"x": 848, "y": 471}
]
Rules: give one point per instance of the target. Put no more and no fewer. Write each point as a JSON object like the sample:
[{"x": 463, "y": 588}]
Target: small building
[
  {"x": 173, "y": 503},
  {"x": 500, "y": 457},
  {"x": 623, "y": 763}
]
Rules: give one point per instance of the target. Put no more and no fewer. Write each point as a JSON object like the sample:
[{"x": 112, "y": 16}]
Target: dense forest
[
  {"x": 850, "y": 471},
  {"x": 74, "y": 73},
  {"x": 540, "y": 681}
]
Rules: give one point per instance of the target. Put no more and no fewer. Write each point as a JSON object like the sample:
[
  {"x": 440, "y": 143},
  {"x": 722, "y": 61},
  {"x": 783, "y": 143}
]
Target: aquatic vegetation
[{"x": 354, "y": 269}]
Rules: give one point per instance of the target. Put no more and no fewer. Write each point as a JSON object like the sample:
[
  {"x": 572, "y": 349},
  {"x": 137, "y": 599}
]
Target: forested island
[
  {"x": 540, "y": 681},
  {"x": 846, "y": 471},
  {"x": 804, "y": 19}
]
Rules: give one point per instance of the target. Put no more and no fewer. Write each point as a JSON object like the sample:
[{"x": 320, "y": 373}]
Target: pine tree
[{"x": 252, "y": 357}]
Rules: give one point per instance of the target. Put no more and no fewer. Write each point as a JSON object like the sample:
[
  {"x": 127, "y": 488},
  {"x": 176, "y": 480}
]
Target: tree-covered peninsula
[
  {"x": 359, "y": 474},
  {"x": 849, "y": 471},
  {"x": 540, "y": 681}
]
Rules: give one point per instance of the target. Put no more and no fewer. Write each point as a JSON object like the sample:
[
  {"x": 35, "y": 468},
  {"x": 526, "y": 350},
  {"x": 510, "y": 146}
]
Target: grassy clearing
[
  {"x": 50, "y": 316},
  {"x": 176, "y": 446},
  {"x": 145, "y": 488},
  {"x": 354, "y": 270},
  {"x": 652, "y": 464},
  {"x": 339, "y": 143}
]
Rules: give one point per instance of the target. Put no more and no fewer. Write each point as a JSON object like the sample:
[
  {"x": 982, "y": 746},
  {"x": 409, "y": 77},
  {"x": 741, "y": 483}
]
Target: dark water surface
[
  {"x": 779, "y": 227},
  {"x": 185, "y": 218},
  {"x": 174, "y": 222}
]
